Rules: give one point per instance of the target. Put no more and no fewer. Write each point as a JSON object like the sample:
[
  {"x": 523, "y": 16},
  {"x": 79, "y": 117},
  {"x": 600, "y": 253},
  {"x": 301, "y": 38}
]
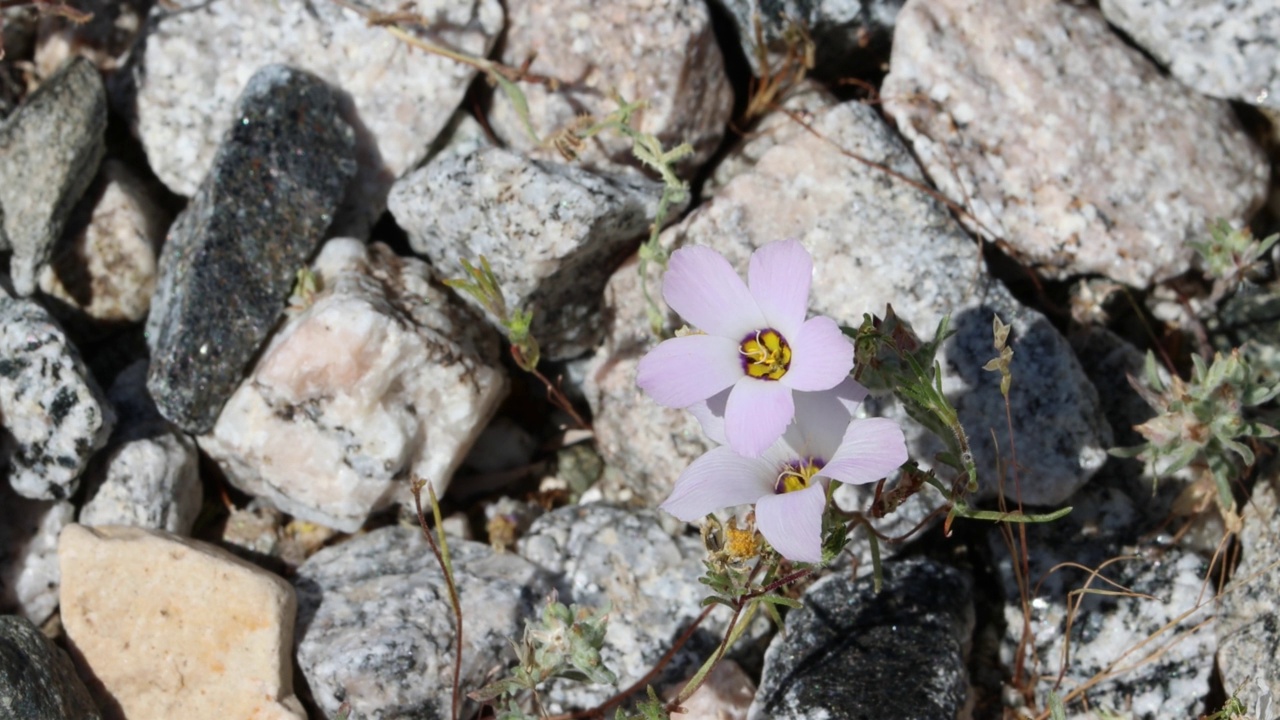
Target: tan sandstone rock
[{"x": 164, "y": 627}]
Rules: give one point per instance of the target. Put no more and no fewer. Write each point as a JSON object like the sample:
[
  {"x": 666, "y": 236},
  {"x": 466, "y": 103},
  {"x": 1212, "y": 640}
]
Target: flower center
[
  {"x": 765, "y": 354},
  {"x": 797, "y": 475}
]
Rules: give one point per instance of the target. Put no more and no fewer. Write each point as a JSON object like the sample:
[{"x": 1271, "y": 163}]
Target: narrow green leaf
[{"x": 518, "y": 101}]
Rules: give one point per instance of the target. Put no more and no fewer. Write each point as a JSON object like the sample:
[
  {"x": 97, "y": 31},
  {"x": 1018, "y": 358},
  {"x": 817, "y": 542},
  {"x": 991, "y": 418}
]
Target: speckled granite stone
[
  {"x": 148, "y": 475},
  {"x": 54, "y": 415},
  {"x": 29, "y": 553},
  {"x": 660, "y": 52},
  {"x": 381, "y": 378},
  {"x": 195, "y": 57},
  {"x": 49, "y": 151},
  {"x": 375, "y": 627},
  {"x": 1248, "y": 624},
  {"x": 232, "y": 257},
  {"x": 103, "y": 268},
  {"x": 603, "y": 555},
  {"x": 552, "y": 233},
  {"x": 1067, "y": 147},
  {"x": 1223, "y": 49}
]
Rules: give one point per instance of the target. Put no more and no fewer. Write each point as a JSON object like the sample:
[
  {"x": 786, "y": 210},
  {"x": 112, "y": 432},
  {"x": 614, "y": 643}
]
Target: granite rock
[
  {"x": 849, "y": 652},
  {"x": 1067, "y": 147},
  {"x": 37, "y": 680},
  {"x": 876, "y": 239},
  {"x": 804, "y": 102},
  {"x": 104, "y": 265},
  {"x": 660, "y": 52},
  {"x": 1164, "y": 641},
  {"x": 376, "y": 629},
  {"x": 166, "y": 627},
  {"x": 149, "y": 473},
  {"x": 552, "y": 233},
  {"x": 645, "y": 445},
  {"x": 1247, "y": 623},
  {"x": 1224, "y": 51},
  {"x": 29, "y": 553},
  {"x": 55, "y": 416},
  {"x": 605, "y": 555},
  {"x": 232, "y": 256},
  {"x": 1162, "y": 638},
  {"x": 195, "y": 58},
  {"x": 380, "y": 378},
  {"x": 49, "y": 151}
]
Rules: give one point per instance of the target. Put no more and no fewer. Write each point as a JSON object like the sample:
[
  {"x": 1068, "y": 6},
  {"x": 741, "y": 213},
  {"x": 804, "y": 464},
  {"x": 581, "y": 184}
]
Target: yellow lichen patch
[{"x": 768, "y": 355}]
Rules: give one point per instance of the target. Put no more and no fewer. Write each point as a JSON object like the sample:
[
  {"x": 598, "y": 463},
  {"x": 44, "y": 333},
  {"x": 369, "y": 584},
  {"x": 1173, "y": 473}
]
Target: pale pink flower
[
  {"x": 754, "y": 340},
  {"x": 788, "y": 482}
]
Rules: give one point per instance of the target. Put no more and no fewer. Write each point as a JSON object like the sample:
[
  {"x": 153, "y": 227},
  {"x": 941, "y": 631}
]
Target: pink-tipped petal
[
  {"x": 710, "y": 415},
  {"x": 792, "y": 522},
  {"x": 703, "y": 288},
  {"x": 779, "y": 277},
  {"x": 871, "y": 449},
  {"x": 821, "y": 356},
  {"x": 719, "y": 479},
  {"x": 756, "y": 414},
  {"x": 681, "y": 371}
]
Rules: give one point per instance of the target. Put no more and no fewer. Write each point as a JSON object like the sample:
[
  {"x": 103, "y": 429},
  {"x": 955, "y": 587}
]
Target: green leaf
[
  {"x": 1129, "y": 452},
  {"x": 1240, "y": 449},
  {"x": 518, "y": 101},
  {"x": 1152, "y": 372},
  {"x": 779, "y": 600},
  {"x": 1182, "y": 459},
  {"x": 1056, "y": 711}
]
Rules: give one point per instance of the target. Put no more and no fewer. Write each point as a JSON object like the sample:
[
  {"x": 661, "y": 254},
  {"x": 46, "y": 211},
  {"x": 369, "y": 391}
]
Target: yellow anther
[
  {"x": 741, "y": 543},
  {"x": 768, "y": 355},
  {"x": 796, "y": 476}
]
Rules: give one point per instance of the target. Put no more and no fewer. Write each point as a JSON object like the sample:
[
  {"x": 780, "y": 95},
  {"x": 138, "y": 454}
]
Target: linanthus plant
[
  {"x": 1230, "y": 256},
  {"x": 778, "y": 394},
  {"x": 773, "y": 388},
  {"x": 1206, "y": 422},
  {"x": 1213, "y": 421}
]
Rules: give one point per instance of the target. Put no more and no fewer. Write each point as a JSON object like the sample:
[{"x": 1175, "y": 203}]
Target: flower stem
[{"x": 441, "y": 551}]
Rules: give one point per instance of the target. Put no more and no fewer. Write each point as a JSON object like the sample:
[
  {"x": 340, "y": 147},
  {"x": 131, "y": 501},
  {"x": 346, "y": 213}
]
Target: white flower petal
[{"x": 719, "y": 479}]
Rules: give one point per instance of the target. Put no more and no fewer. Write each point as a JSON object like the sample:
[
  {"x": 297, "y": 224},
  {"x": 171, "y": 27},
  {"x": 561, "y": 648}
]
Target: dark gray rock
[
  {"x": 844, "y": 32},
  {"x": 552, "y": 232},
  {"x": 54, "y": 415},
  {"x": 850, "y": 653},
  {"x": 49, "y": 152},
  {"x": 1108, "y": 360},
  {"x": 231, "y": 259},
  {"x": 37, "y": 679},
  {"x": 375, "y": 627}
]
